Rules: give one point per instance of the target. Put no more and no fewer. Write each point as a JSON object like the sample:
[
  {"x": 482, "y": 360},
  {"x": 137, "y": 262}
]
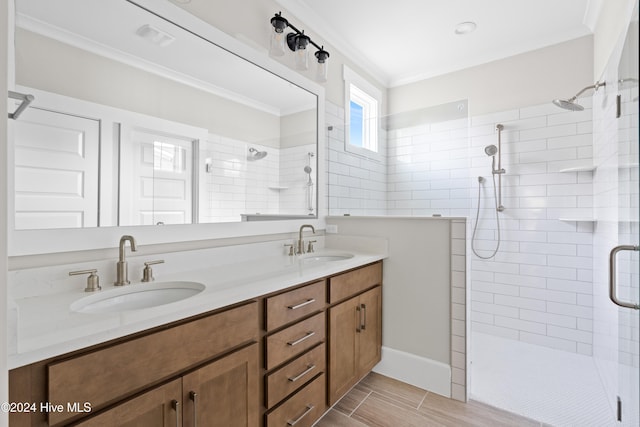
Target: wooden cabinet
[
  {"x": 295, "y": 358},
  {"x": 131, "y": 378},
  {"x": 216, "y": 368},
  {"x": 303, "y": 408},
  {"x": 159, "y": 407},
  {"x": 219, "y": 394},
  {"x": 223, "y": 393},
  {"x": 355, "y": 341}
]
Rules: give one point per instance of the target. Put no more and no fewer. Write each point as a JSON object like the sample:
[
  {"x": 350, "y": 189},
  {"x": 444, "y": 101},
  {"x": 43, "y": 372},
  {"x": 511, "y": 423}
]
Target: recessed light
[{"x": 465, "y": 27}]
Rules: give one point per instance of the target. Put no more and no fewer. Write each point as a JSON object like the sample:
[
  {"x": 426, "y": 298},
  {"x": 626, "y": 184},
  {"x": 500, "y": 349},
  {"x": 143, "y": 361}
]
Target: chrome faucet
[
  {"x": 122, "y": 274},
  {"x": 300, "y": 241}
]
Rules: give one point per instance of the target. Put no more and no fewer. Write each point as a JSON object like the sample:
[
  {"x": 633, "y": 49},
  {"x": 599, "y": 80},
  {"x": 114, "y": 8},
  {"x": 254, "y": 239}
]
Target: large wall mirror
[{"x": 140, "y": 121}]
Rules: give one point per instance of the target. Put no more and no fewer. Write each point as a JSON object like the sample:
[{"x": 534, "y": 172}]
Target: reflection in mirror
[{"x": 137, "y": 121}]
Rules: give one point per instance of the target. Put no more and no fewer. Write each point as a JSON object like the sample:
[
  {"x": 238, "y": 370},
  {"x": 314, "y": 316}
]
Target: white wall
[
  {"x": 531, "y": 78},
  {"x": 47, "y": 64},
  {"x": 611, "y": 24},
  {"x": 416, "y": 293},
  {"x": 248, "y": 20}
]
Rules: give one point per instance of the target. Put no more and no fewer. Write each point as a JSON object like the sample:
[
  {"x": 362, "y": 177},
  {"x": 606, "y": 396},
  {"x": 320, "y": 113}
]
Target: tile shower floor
[
  {"x": 379, "y": 401},
  {"x": 553, "y": 386}
]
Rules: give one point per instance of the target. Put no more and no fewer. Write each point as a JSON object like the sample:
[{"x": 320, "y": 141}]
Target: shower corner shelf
[
  {"x": 579, "y": 169},
  {"x": 278, "y": 187},
  {"x": 578, "y": 219}
]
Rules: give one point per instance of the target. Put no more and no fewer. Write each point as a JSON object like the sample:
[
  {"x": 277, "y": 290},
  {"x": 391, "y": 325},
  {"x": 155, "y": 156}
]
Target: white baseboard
[{"x": 419, "y": 371}]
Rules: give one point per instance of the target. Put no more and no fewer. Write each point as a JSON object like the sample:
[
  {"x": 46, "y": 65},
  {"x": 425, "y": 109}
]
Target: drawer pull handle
[
  {"x": 299, "y": 340},
  {"x": 304, "y": 414},
  {"x": 359, "y": 322},
  {"x": 176, "y": 407},
  {"x": 302, "y": 304},
  {"x": 194, "y": 397},
  {"x": 302, "y": 374}
]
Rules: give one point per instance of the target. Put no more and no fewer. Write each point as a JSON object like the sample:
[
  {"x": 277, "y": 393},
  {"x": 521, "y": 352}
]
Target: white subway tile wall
[
  {"x": 357, "y": 185},
  {"x": 538, "y": 288},
  {"x": 236, "y": 185}
]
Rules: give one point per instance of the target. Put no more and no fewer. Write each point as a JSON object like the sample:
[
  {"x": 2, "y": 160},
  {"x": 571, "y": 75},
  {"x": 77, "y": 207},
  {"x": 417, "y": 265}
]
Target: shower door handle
[{"x": 613, "y": 294}]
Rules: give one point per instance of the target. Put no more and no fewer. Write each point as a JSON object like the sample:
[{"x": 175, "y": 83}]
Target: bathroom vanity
[{"x": 274, "y": 359}]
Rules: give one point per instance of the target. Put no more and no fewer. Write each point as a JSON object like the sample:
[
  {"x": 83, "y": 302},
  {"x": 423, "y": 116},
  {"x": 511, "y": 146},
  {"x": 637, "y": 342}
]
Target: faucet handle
[
  {"x": 93, "y": 281},
  {"x": 291, "y": 251},
  {"x": 147, "y": 273},
  {"x": 310, "y": 246}
]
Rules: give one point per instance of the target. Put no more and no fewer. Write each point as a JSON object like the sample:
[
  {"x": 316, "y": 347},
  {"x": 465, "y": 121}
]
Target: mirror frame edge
[{"x": 38, "y": 242}]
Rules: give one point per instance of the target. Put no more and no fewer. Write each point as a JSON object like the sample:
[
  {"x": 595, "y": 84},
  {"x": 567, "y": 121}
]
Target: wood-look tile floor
[{"x": 379, "y": 401}]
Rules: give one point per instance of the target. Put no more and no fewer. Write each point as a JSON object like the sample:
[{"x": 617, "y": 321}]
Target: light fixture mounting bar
[{"x": 278, "y": 18}]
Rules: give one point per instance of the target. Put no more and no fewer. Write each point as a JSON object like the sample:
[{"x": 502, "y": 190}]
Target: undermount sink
[
  {"x": 309, "y": 258},
  {"x": 136, "y": 297}
]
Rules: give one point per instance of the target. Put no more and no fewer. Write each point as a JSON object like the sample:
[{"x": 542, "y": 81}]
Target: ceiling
[{"x": 409, "y": 40}]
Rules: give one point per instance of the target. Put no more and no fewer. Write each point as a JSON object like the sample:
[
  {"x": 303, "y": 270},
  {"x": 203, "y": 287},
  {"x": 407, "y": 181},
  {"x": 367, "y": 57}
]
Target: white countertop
[{"x": 47, "y": 327}]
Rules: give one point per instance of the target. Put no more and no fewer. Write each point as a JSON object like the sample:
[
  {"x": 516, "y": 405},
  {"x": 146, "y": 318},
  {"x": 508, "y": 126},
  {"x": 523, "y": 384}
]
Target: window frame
[{"x": 357, "y": 89}]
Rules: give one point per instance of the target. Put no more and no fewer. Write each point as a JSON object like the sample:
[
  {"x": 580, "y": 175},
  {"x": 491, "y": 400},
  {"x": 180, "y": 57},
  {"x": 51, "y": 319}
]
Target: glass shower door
[{"x": 625, "y": 268}]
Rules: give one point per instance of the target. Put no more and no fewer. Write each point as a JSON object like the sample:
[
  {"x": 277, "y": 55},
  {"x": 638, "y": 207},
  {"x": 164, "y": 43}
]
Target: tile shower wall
[
  {"x": 356, "y": 185},
  {"x": 236, "y": 185},
  {"x": 538, "y": 288}
]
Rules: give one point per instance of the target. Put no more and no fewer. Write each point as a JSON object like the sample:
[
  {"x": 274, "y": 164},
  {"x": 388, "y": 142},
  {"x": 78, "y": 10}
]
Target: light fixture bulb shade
[
  {"x": 322, "y": 70},
  {"x": 302, "y": 59},
  {"x": 276, "y": 44},
  {"x": 301, "y": 52}
]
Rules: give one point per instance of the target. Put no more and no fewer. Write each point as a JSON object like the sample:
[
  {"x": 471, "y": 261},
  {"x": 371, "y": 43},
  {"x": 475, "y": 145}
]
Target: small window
[{"x": 362, "y": 105}]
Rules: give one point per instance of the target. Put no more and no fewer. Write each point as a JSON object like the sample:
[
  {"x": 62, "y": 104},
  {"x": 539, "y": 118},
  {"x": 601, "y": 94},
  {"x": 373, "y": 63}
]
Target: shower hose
[{"x": 475, "y": 226}]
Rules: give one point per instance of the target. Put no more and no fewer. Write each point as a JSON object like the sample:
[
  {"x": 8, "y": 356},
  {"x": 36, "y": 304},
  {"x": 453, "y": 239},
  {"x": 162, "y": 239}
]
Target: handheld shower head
[{"x": 491, "y": 150}]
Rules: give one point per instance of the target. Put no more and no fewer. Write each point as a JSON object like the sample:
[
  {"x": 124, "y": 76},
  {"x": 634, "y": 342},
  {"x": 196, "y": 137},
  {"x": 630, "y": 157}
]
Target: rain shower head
[
  {"x": 256, "y": 155},
  {"x": 491, "y": 150},
  {"x": 570, "y": 104}
]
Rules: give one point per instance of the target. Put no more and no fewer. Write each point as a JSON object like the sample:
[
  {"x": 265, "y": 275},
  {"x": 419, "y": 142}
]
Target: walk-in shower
[
  {"x": 570, "y": 104},
  {"x": 491, "y": 151}
]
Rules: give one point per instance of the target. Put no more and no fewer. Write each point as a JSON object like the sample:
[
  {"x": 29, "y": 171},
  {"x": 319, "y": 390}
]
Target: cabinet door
[
  {"x": 370, "y": 336},
  {"x": 155, "y": 408},
  {"x": 224, "y": 393},
  {"x": 344, "y": 322}
]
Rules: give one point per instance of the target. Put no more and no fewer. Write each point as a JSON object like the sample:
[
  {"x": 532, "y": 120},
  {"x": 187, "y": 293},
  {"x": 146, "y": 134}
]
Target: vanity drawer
[
  {"x": 297, "y": 338},
  {"x": 303, "y": 408},
  {"x": 292, "y": 376},
  {"x": 293, "y": 305},
  {"x": 106, "y": 375},
  {"x": 354, "y": 282}
]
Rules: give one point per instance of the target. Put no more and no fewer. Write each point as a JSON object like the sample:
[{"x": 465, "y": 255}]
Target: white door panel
[
  {"x": 159, "y": 167},
  {"x": 56, "y": 170}
]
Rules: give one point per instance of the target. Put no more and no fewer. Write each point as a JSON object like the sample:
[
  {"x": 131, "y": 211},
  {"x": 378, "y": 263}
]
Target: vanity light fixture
[{"x": 298, "y": 43}]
